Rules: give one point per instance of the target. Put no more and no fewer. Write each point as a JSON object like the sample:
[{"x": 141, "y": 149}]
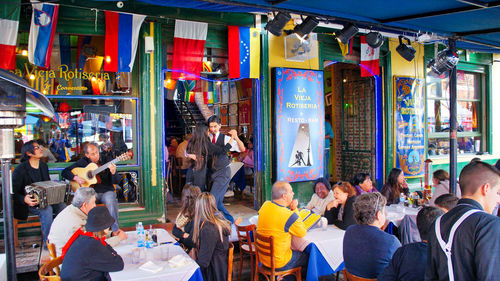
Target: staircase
[{"x": 181, "y": 117}]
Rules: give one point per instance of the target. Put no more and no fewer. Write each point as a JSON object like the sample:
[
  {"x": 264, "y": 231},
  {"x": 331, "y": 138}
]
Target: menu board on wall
[
  {"x": 409, "y": 128},
  {"x": 300, "y": 124}
]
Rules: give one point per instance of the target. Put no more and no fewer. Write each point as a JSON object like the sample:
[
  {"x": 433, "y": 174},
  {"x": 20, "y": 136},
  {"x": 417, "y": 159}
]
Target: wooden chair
[
  {"x": 230, "y": 262},
  {"x": 32, "y": 221},
  {"x": 265, "y": 248},
  {"x": 351, "y": 277},
  {"x": 53, "y": 254},
  {"x": 50, "y": 270},
  {"x": 246, "y": 246}
]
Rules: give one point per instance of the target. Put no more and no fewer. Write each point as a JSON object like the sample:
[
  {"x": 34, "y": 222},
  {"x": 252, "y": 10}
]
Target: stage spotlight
[
  {"x": 346, "y": 33},
  {"x": 306, "y": 27},
  {"x": 405, "y": 50},
  {"x": 276, "y": 25},
  {"x": 374, "y": 39},
  {"x": 444, "y": 62}
]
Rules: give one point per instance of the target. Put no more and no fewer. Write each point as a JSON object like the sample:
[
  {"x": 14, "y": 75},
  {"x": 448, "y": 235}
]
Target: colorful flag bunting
[
  {"x": 244, "y": 52},
  {"x": 42, "y": 31},
  {"x": 189, "y": 45},
  {"x": 9, "y": 21},
  {"x": 122, "y": 34}
]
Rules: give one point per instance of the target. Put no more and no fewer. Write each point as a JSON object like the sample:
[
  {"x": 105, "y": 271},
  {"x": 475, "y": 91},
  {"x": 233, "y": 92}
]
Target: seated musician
[
  {"x": 29, "y": 171},
  {"x": 105, "y": 192},
  {"x": 74, "y": 217}
]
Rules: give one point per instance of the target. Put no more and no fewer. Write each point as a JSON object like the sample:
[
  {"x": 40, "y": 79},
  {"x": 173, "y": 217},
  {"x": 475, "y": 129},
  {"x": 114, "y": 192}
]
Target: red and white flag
[
  {"x": 9, "y": 21},
  {"x": 189, "y": 44},
  {"x": 369, "y": 59}
]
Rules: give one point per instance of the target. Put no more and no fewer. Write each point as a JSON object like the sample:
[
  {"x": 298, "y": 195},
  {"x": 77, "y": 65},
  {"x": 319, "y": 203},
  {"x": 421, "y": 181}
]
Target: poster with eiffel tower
[
  {"x": 301, "y": 155},
  {"x": 299, "y": 124}
]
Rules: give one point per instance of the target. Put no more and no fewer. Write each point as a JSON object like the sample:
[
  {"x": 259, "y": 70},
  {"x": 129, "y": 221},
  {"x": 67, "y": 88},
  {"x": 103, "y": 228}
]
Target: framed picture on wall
[
  {"x": 328, "y": 99},
  {"x": 223, "y": 115},
  {"x": 224, "y": 93}
]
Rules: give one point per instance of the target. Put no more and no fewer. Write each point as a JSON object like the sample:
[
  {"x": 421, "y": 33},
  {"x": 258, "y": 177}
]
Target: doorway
[{"x": 353, "y": 108}]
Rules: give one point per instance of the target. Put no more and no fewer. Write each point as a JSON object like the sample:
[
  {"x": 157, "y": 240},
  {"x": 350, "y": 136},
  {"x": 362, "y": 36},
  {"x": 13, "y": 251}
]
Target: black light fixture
[
  {"x": 306, "y": 27},
  {"x": 347, "y": 33},
  {"x": 276, "y": 25},
  {"x": 374, "y": 39},
  {"x": 445, "y": 61},
  {"x": 405, "y": 50}
]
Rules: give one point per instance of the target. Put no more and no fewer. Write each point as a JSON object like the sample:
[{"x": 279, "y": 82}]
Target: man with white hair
[{"x": 73, "y": 217}]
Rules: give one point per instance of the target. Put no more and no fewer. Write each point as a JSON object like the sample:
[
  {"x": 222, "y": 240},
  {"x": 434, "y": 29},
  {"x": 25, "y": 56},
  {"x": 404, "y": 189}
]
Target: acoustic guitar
[{"x": 89, "y": 173}]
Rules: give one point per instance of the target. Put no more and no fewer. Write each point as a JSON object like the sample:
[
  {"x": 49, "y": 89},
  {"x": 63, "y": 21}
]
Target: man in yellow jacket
[{"x": 279, "y": 218}]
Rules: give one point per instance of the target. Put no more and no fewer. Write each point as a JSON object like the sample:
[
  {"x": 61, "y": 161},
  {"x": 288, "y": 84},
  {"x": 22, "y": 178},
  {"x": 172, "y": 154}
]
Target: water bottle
[
  {"x": 140, "y": 234},
  {"x": 402, "y": 199}
]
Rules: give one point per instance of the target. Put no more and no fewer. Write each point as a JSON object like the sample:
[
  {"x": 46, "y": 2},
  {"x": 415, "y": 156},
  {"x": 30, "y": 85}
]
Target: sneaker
[{"x": 229, "y": 193}]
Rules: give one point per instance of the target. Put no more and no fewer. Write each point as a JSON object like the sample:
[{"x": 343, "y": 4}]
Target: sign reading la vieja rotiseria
[
  {"x": 299, "y": 119},
  {"x": 63, "y": 73}
]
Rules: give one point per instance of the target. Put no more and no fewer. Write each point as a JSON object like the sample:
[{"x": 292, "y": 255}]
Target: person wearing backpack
[{"x": 464, "y": 243}]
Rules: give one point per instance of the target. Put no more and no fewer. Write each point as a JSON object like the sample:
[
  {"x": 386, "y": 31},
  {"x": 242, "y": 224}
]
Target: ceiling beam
[
  {"x": 478, "y": 32},
  {"x": 443, "y": 12}
]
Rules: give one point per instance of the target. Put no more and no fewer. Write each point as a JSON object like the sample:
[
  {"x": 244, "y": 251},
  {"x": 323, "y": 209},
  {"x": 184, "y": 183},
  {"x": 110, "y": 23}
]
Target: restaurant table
[
  {"x": 325, "y": 251},
  {"x": 395, "y": 213},
  {"x": 405, "y": 218},
  {"x": 131, "y": 271}
]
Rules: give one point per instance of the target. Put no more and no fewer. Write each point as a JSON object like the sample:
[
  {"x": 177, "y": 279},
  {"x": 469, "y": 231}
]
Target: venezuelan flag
[{"x": 244, "y": 52}]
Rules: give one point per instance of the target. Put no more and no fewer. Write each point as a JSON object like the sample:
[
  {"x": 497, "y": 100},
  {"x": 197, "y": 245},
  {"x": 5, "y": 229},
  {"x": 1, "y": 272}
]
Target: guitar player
[{"x": 105, "y": 192}]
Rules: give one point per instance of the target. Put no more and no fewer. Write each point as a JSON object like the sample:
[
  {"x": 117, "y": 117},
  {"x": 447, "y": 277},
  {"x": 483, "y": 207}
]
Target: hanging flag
[
  {"x": 244, "y": 52},
  {"x": 9, "y": 21},
  {"x": 369, "y": 59},
  {"x": 205, "y": 97},
  {"x": 122, "y": 34},
  {"x": 189, "y": 45},
  {"x": 42, "y": 30},
  {"x": 191, "y": 97},
  {"x": 210, "y": 97},
  {"x": 346, "y": 49}
]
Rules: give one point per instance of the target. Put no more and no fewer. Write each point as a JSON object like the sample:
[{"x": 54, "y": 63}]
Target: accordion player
[{"x": 49, "y": 192}]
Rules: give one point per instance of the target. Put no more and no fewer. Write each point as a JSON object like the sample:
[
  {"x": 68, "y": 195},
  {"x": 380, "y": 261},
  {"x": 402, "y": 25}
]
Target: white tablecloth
[
  {"x": 395, "y": 213},
  {"x": 133, "y": 272},
  {"x": 329, "y": 243}
]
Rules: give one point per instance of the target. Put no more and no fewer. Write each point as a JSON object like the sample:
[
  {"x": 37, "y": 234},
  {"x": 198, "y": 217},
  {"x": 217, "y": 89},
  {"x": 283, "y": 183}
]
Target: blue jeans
[
  {"x": 46, "y": 217},
  {"x": 109, "y": 199},
  {"x": 326, "y": 174},
  {"x": 220, "y": 184},
  {"x": 298, "y": 259}
]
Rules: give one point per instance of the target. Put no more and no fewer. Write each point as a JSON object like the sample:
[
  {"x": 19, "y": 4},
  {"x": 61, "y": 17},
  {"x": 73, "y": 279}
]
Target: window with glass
[{"x": 469, "y": 104}]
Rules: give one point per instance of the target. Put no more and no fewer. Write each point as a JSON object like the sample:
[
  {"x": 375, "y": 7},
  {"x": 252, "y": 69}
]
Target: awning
[{"x": 475, "y": 24}]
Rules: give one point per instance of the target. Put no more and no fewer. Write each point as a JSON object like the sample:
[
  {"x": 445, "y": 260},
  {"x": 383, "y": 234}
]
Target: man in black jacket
[
  {"x": 476, "y": 241},
  {"x": 221, "y": 173},
  {"x": 105, "y": 192},
  {"x": 29, "y": 171}
]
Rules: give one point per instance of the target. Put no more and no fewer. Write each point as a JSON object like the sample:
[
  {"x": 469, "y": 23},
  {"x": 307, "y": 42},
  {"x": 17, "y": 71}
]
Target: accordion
[{"x": 49, "y": 192}]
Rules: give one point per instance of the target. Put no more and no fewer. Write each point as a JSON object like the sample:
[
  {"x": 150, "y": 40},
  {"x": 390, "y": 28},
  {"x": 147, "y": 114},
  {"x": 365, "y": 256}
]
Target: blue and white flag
[{"x": 42, "y": 30}]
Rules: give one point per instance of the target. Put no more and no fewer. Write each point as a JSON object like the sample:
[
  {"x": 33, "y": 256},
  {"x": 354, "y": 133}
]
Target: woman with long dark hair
[
  {"x": 211, "y": 234},
  {"x": 199, "y": 149},
  {"x": 395, "y": 185}
]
